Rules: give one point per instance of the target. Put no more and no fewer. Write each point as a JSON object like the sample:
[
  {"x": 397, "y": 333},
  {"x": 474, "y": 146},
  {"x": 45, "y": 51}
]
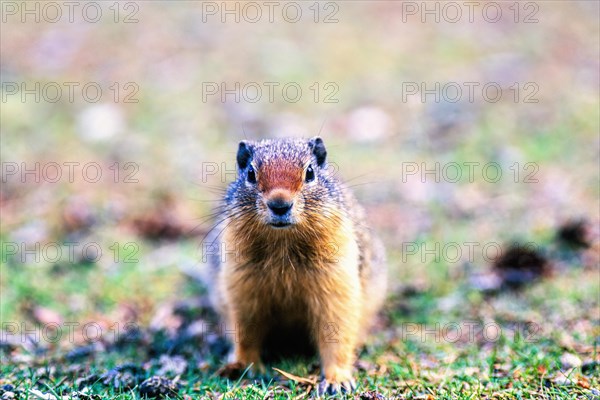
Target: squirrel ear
[
  {"x": 244, "y": 154},
  {"x": 318, "y": 149}
]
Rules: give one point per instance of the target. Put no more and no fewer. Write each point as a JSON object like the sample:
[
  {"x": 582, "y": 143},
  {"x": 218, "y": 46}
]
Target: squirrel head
[{"x": 282, "y": 181}]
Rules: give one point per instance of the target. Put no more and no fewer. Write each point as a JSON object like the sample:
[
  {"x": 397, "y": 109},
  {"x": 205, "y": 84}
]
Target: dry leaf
[
  {"x": 583, "y": 382},
  {"x": 295, "y": 378}
]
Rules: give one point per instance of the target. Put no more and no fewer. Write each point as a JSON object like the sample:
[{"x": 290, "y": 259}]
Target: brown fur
[{"x": 325, "y": 273}]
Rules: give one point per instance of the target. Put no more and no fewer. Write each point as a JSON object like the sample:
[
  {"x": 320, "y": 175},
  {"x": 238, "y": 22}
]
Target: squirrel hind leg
[{"x": 374, "y": 281}]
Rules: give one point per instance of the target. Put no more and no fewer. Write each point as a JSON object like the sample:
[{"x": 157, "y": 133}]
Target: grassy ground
[
  {"x": 132, "y": 306},
  {"x": 527, "y": 345},
  {"x": 440, "y": 334}
]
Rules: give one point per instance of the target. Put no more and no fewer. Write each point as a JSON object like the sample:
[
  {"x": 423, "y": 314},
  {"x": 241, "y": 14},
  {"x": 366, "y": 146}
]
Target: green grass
[
  {"x": 171, "y": 132},
  {"x": 409, "y": 356}
]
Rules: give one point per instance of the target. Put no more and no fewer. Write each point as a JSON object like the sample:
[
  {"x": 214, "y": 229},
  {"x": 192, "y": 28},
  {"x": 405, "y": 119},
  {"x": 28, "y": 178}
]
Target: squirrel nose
[{"x": 280, "y": 207}]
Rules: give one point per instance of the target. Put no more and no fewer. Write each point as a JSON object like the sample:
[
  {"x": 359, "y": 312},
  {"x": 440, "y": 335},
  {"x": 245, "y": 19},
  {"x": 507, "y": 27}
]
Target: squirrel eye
[
  {"x": 251, "y": 174},
  {"x": 310, "y": 174}
]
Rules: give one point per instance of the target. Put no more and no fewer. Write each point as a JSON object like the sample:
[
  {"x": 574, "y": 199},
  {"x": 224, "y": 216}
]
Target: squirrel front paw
[
  {"x": 336, "y": 380},
  {"x": 236, "y": 370},
  {"x": 248, "y": 357},
  {"x": 326, "y": 387}
]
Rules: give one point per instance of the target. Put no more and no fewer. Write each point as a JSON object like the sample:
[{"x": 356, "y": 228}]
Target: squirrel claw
[{"x": 332, "y": 388}]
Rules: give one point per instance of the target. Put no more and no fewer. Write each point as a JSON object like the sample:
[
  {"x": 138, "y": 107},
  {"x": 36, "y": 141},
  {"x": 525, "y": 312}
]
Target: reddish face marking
[{"x": 280, "y": 177}]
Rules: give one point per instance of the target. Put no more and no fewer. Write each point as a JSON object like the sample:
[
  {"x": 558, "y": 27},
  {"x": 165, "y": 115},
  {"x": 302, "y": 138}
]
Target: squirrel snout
[{"x": 280, "y": 206}]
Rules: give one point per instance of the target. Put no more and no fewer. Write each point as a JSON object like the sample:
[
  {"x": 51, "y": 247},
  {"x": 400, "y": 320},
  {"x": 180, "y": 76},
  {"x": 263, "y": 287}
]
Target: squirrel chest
[{"x": 287, "y": 270}]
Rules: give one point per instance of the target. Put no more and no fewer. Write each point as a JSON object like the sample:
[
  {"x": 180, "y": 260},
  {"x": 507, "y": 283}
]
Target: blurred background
[{"x": 139, "y": 106}]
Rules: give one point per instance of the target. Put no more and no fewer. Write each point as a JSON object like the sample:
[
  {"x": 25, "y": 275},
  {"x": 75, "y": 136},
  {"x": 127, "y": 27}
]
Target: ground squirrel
[{"x": 298, "y": 268}]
